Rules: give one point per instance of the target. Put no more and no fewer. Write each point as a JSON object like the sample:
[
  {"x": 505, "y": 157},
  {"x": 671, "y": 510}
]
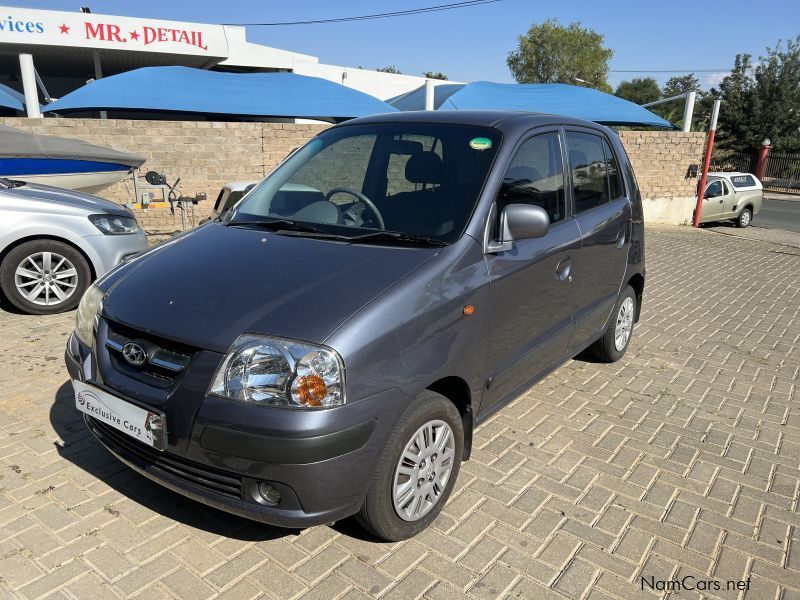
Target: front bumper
[
  {"x": 110, "y": 250},
  {"x": 320, "y": 461}
]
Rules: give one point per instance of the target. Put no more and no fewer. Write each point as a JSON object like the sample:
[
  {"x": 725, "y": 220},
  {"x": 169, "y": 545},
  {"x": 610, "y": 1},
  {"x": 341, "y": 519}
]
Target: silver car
[
  {"x": 55, "y": 242},
  {"x": 732, "y": 196}
]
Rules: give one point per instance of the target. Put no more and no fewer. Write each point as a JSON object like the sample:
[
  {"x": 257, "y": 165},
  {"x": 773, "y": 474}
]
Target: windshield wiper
[
  {"x": 277, "y": 225},
  {"x": 396, "y": 237}
]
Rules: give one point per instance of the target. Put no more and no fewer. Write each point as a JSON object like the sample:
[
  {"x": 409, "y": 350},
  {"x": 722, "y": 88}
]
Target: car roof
[
  {"x": 727, "y": 174},
  {"x": 482, "y": 118}
]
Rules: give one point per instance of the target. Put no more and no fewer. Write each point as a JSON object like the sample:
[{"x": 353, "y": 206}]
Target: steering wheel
[{"x": 360, "y": 197}]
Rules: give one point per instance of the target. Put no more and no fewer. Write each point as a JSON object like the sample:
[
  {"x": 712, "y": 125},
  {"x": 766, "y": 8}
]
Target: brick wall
[
  {"x": 661, "y": 160},
  {"x": 206, "y": 155}
]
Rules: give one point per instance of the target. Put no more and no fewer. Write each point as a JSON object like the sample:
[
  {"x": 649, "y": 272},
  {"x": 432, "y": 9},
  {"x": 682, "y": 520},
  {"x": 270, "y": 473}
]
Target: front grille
[
  {"x": 214, "y": 480},
  {"x": 166, "y": 360}
]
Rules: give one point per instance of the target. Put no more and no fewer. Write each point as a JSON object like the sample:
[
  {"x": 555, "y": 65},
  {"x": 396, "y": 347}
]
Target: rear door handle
[
  {"x": 563, "y": 269},
  {"x": 621, "y": 237}
]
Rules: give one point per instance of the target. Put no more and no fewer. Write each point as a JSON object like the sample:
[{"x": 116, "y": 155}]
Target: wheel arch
[
  {"x": 36, "y": 237},
  {"x": 637, "y": 283},
  {"x": 457, "y": 391}
]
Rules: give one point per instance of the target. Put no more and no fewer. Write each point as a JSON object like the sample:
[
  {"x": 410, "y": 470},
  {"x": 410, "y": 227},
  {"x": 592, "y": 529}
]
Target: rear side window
[
  {"x": 740, "y": 181},
  {"x": 589, "y": 170},
  {"x": 615, "y": 188}
]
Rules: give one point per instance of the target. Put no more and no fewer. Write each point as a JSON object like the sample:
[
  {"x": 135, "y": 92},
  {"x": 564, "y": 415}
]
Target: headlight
[
  {"x": 114, "y": 224},
  {"x": 87, "y": 310},
  {"x": 280, "y": 372}
]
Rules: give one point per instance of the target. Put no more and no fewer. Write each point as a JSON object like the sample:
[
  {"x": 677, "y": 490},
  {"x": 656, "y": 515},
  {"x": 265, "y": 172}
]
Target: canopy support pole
[
  {"x": 688, "y": 111},
  {"x": 29, "y": 86},
  {"x": 98, "y": 74},
  {"x": 429, "y": 94}
]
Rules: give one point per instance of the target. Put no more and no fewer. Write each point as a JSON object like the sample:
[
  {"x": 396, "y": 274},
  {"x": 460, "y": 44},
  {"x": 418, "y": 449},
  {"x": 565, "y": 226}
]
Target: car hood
[
  {"x": 216, "y": 283},
  {"x": 71, "y": 198}
]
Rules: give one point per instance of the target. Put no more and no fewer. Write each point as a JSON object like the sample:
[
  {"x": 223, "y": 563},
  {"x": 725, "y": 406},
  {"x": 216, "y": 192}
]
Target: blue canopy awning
[
  {"x": 187, "y": 90},
  {"x": 552, "y": 98},
  {"x": 11, "y": 98}
]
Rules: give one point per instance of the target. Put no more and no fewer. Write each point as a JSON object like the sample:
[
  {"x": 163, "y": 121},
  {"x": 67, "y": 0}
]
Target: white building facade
[{"x": 46, "y": 54}]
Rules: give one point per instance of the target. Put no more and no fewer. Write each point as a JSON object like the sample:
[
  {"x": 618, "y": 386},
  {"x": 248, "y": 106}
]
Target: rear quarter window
[{"x": 740, "y": 181}]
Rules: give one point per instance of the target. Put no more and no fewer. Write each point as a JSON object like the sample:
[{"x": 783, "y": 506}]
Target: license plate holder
[{"x": 143, "y": 424}]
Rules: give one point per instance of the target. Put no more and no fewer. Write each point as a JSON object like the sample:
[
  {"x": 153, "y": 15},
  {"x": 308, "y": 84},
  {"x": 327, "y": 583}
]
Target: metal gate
[
  {"x": 739, "y": 161},
  {"x": 783, "y": 172}
]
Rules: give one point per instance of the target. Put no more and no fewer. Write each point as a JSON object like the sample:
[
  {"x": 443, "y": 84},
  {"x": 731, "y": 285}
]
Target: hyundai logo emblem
[{"x": 134, "y": 354}]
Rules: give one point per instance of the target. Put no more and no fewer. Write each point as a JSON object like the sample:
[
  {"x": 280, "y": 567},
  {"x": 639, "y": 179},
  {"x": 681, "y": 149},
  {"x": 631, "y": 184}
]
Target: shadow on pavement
[{"x": 84, "y": 451}]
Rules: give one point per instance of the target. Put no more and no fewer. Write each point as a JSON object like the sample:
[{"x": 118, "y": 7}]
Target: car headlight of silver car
[
  {"x": 114, "y": 224},
  {"x": 280, "y": 372},
  {"x": 87, "y": 311}
]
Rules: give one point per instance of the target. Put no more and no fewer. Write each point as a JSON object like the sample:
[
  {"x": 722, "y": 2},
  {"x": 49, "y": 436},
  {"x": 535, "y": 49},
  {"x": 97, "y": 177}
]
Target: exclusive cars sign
[{"x": 58, "y": 28}]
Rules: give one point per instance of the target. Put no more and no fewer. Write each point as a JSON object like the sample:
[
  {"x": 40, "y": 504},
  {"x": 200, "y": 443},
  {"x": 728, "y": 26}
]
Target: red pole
[
  {"x": 701, "y": 187},
  {"x": 761, "y": 165}
]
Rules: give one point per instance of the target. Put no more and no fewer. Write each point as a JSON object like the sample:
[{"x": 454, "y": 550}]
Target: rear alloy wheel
[
  {"x": 745, "y": 218},
  {"x": 44, "y": 277},
  {"x": 416, "y": 471},
  {"x": 617, "y": 336}
]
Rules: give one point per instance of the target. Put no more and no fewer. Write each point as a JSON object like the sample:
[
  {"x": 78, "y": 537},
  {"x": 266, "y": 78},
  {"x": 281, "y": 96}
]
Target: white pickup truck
[{"x": 731, "y": 196}]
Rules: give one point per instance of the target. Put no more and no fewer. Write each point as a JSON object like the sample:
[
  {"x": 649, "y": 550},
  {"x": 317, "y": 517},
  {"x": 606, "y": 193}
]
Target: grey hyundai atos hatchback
[{"x": 328, "y": 345}]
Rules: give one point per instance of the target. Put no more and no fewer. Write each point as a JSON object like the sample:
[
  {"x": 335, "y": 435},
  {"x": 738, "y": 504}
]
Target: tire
[
  {"x": 379, "y": 514},
  {"x": 48, "y": 268},
  {"x": 608, "y": 348},
  {"x": 745, "y": 218}
]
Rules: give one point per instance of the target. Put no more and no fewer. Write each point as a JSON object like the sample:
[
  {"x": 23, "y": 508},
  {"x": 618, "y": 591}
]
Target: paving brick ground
[{"x": 681, "y": 460}]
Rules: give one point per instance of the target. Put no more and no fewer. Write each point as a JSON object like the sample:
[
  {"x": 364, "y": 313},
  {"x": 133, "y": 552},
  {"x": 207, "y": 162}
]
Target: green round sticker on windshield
[{"x": 480, "y": 143}]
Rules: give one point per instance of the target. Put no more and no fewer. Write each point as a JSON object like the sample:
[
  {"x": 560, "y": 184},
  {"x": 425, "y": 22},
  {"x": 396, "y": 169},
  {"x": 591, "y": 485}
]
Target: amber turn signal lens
[
  {"x": 468, "y": 310},
  {"x": 311, "y": 389}
]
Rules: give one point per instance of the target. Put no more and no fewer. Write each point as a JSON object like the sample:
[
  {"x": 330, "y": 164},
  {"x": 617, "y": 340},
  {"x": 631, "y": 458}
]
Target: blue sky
[{"x": 472, "y": 43}]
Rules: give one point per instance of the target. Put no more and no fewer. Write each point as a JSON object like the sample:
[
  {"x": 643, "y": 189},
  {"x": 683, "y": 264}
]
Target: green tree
[
  {"x": 552, "y": 53},
  {"x": 389, "y": 69},
  {"x": 681, "y": 84},
  {"x": 640, "y": 90},
  {"x": 762, "y": 100},
  {"x": 435, "y": 75},
  {"x": 673, "y": 111}
]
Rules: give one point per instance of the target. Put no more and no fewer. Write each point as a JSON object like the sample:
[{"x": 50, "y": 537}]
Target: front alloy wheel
[
  {"x": 423, "y": 470},
  {"x": 416, "y": 471},
  {"x": 44, "y": 276}
]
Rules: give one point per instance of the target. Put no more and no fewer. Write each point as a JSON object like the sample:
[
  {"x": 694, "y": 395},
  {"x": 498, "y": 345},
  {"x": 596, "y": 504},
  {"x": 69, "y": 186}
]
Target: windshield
[{"x": 367, "y": 182}]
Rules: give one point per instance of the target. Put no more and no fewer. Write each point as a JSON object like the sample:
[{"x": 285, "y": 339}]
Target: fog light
[{"x": 270, "y": 495}]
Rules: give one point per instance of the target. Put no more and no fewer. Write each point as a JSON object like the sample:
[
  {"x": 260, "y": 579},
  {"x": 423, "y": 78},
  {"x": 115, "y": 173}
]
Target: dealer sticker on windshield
[
  {"x": 480, "y": 143},
  {"x": 144, "y": 425}
]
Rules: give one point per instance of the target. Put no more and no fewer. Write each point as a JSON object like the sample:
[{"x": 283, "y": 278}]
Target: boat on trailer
[{"x": 62, "y": 162}]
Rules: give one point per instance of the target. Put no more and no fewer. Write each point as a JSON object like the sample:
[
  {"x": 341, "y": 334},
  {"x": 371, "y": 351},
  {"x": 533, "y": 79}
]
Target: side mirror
[
  {"x": 520, "y": 222},
  {"x": 523, "y": 222}
]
